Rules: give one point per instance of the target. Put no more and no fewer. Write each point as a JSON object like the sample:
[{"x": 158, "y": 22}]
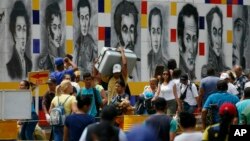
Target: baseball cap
[
  {"x": 58, "y": 61},
  {"x": 224, "y": 76},
  {"x": 184, "y": 77},
  {"x": 228, "y": 108},
  {"x": 117, "y": 68},
  {"x": 51, "y": 80}
]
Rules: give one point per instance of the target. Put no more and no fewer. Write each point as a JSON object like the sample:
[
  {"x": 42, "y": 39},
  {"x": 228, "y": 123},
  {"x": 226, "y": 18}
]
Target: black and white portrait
[
  {"x": 188, "y": 36},
  {"x": 52, "y": 33},
  {"x": 126, "y": 29},
  {"x": 85, "y": 48},
  {"x": 240, "y": 34},
  {"x": 216, "y": 59},
  {"x": 157, "y": 55},
  {"x": 20, "y": 62}
]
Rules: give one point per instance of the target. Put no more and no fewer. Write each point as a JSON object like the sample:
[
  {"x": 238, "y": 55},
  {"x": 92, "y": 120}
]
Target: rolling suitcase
[{"x": 109, "y": 56}]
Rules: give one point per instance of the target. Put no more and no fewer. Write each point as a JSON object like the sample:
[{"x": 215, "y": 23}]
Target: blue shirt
[
  {"x": 219, "y": 98},
  {"x": 58, "y": 75},
  {"x": 208, "y": 84},
  {"x": 90, "y": 91},
  {"x": 76, "y": 123}
]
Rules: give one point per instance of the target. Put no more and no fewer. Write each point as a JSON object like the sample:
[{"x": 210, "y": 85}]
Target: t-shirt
[
  {"x": 208, "y": 84},
  {"x": 86, "y": 133},
  {"x": 216, "y": 128},
  {"x": 191, "y": 93},
  {"x": 177, "y": 83},
  {"x": 163, "y": 124},
  {"x": 232, "y": 89},
  {"x": 76, "y": 123},
  {"x": 47, "y": 98},
  {"x": 90, "y": 91},
  {"x": 167, "y": 91},
  {"x": 58, "y": 75},
  {"x": 241, "y": 106},
  {"x": 219, "y": 98},
  {"x": 67, "y": 104},
  {"x": 245, "y": 116},
  {"x": 195, "y": 136}
]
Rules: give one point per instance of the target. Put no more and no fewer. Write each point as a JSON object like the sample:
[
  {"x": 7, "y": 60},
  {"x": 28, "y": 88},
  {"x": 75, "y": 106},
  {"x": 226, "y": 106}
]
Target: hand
[
  {"x": 66, "y": 59},
  {"x": 47, "y": 117}
]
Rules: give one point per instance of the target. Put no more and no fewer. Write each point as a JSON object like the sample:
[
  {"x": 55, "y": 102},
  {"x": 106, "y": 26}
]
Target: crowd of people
[{"x": 171, "y": 101}]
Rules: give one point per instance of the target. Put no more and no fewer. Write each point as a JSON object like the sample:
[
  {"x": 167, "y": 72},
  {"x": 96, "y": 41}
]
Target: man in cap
[
  {"x": 215, "y": 100},
  {"x": 48, "y": 96},
  {"x": 60, "y": 72},
  {"x": 118, "y": 72},
  {"x": 188, "y": 94},
  {"x": 231, "y": 88}
]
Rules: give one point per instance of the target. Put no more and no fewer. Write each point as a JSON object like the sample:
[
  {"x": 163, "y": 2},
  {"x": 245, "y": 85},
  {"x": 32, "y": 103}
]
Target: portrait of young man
[
  {"x": 19, "y": 26},
  {"x": 240, "y": 33},
  {"x": 54, "y": 44},
  {"x": 188, "y": 36},
  {"x": 216, "y": 59},
  {"x": 125, "y": 20},
  {"x": 85, "y": 50},
  {"x": 155, "y": 28}
]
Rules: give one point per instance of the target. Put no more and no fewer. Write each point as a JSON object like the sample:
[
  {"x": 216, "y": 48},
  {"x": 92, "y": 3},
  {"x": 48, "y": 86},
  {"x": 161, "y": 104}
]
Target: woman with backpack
[{"x": 62, "y": 105}]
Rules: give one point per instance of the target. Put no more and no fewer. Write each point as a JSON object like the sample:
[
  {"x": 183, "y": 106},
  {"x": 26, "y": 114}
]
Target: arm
[
  {"x": 200, "y": 97},
  {"x": 46, "y": 111},
  {"x": 74, "y": 66},
  {"x": 66, "y": 134},
  {"x": 176, "y": 98},
  {"x": 124, "y": 62},
  {"x": 104, "y": 97},
  {"x": 74, "y": 105},
  {"x": 203, "y": 117}
]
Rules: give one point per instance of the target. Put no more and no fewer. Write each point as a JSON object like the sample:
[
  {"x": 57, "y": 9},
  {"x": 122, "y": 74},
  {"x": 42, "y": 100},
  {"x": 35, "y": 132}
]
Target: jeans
[
  {"x": 58, "y": 133},
  {"x": 28, "y": 127},
  {"x": 189, "y": 108}
]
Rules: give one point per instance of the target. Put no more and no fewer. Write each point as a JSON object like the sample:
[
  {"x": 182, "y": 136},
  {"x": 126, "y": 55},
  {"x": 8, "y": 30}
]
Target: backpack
[
  {"x": 57, "y": 114},
  {"x": 97, "y": 104},
  {"x": 213, "y": 133},
  {"x": 183, "y": 95}
]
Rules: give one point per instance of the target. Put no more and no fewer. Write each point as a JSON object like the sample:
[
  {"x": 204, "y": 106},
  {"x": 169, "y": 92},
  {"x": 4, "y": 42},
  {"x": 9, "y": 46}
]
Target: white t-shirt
[
  {"x": 190, "y": 95},
  {"x": 167, "y": 91},
  {"x": 194, "y": 136},
  {"x": 232, "y": 89}
]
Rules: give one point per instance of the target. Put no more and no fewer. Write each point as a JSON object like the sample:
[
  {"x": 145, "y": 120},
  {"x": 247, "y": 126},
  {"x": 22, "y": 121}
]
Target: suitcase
[{"x": 109, "y": 56}]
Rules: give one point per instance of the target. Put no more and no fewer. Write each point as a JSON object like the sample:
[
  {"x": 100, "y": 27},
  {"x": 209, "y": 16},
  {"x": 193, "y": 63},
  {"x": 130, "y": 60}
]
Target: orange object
[{"x": 8, "y": 130}]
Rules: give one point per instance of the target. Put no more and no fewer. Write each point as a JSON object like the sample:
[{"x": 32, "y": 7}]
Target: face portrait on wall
[
  {"x": 216, "y": 35},
  {"x": 125, "y": 22},
  {"x": 190, "y": 40},
  {"x": 215, "y": 29},
  {"x": 53, "y": 23},
  {"x": 84, "y": 20},
  {"x": 155, "y": 29},
  {"x": 188, "y": 33},
  {"x": 240, "y": 31},
  {"x": 20, "y": 35}
]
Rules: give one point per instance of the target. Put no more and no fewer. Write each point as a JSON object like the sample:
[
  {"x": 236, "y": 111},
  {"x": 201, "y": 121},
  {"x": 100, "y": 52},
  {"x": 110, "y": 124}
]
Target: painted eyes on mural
[
  {"x": 126, "y": 30},
  {"x": 156, "y": 31},
  {"x": 217, "y": 32},
  {"x": 56, "y": 27},
  {"x": 86, "y": 17},
  {"x": 1, "y": 16},
  {"x": 239, "y": 25},
  {"x": 19, "y": 28}
]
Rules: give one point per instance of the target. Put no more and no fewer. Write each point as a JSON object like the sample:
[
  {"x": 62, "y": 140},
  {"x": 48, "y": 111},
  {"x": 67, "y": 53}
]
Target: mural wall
[{"x": 197, "y": 34}]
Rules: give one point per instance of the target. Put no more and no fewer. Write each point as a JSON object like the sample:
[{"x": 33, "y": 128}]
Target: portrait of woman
[{"x": 19, "y": 64}]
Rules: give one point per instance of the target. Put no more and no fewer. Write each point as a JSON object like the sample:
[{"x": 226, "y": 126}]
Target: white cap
[
  {"x": 224, "y": 76},
  {"x": 117, "y": 68}
]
